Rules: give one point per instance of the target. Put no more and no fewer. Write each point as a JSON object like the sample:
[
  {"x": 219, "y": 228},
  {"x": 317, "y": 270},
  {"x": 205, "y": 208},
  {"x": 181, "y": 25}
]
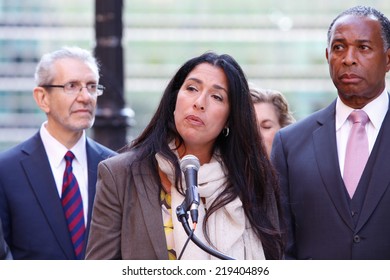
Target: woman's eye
[
  {"x": 217, "y": 97},
  {"x": 191, "y": 88}
]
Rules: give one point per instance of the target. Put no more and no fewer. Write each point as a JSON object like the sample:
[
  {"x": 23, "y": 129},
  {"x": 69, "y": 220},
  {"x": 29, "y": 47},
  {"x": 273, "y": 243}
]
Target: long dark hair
[{"x": 250, "y": 174}]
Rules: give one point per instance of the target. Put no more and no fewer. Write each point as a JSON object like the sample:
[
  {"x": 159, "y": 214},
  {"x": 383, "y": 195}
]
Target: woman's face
[
  {"x": 202, "y": 108},
  {"x": 267, "y": 123}
]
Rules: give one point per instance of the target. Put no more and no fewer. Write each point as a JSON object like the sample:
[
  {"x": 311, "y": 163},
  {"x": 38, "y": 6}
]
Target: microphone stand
[{"x": 183, "y": 218}]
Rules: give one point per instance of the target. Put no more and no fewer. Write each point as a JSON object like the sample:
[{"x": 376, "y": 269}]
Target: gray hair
[
  {"x": 365, "y": 11},
  {"x": 44, "y": 72}
]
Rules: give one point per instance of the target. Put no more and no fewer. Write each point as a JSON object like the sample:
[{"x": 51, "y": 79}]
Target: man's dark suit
[
  {"x": 5, "y": 253},
  {"x": 317, "y": 206},
  {"x": 30, "y": 208}
]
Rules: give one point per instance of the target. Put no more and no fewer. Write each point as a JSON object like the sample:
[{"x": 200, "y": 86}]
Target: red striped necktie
[{"x": 73, "y": 207}]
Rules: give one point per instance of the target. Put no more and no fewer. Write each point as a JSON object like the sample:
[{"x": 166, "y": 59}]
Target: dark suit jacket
[
  {"x": 5, "y": 253},
  {"x": 30, "y": 208},
  {"x": 317, "y": 207},
  {"x": 127, "y": 221}
]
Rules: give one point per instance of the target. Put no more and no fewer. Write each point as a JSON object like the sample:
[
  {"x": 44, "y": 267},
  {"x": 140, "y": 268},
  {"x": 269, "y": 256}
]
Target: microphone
[{"x": 190, "y": 165}]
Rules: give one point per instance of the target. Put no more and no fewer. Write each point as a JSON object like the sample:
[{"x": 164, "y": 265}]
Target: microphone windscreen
[{"x": 189, "y": 161}]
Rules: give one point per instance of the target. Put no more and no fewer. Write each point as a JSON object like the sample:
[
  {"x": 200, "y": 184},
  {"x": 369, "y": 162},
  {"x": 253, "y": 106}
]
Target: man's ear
[
  {"x": 42, "y": 99},
  {"x": 388, "y": 60},
  {"x": 327, "y": 55}
]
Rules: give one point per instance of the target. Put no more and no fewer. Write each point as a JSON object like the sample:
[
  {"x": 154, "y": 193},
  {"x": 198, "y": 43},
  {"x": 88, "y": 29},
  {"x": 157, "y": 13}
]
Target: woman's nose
[{"x": 199, "y": 103}]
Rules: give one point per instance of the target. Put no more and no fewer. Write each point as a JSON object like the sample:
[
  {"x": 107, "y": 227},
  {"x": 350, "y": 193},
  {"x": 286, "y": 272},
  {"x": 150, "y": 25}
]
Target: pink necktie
[{"x": 356, "y": 155}]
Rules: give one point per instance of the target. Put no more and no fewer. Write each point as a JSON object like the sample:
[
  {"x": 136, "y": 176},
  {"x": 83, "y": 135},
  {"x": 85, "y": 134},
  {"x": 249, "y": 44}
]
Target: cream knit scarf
[{"x": 228, "y": 228}]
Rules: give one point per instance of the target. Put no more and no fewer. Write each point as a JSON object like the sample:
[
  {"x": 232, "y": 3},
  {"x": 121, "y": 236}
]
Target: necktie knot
[
  {"x": 359, "y": 116},
  {"x": 69, "y": 156}
]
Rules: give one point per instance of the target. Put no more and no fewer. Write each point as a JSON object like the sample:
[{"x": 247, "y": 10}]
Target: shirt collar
[
  {"x": 57, "y": 151},
  {"x": 376, "y": 110}
]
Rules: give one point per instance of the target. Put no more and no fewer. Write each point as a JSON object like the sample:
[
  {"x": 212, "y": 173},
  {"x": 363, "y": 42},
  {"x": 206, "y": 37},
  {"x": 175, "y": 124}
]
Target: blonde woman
[{"x": 272, "y": 113}]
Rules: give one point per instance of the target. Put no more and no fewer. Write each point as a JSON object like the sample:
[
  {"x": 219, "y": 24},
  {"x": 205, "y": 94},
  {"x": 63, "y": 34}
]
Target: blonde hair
[{"x": 277, "y": 99}]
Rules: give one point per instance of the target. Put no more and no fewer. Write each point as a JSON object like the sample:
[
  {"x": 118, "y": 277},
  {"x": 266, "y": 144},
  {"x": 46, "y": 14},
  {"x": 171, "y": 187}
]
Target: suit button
[{"x": 356, "y": 239}]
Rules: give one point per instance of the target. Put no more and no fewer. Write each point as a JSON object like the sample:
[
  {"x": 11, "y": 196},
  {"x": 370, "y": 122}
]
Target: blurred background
[{"x": 280, "y": 44}]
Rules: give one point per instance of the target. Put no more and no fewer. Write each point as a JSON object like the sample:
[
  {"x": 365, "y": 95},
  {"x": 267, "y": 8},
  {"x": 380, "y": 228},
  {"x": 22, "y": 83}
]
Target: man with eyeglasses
[{"x": 46, "y": 197}]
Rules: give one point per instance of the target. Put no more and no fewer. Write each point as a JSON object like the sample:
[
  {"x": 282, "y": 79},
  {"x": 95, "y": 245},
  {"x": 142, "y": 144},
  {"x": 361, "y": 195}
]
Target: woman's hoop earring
[{"x": 225, "y": 131}]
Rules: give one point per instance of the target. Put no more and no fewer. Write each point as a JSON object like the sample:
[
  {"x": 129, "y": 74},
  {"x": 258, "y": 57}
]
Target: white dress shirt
[
  {"x": 376, "y": 111},
  {"x": 56, "y": 152}
]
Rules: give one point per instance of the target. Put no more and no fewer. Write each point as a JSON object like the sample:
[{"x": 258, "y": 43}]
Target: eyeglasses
[{"x": 74, "y": 88}]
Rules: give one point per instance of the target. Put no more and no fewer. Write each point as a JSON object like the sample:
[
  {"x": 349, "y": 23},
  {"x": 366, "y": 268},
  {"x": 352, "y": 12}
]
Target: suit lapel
[
  {"x": 148, "y": 192},
  {"x": 38, "y": 171},
  {"x": 380, "y": 177},
  {"x": 325, "y": 150},
  {"x": 93, "y": 159}
]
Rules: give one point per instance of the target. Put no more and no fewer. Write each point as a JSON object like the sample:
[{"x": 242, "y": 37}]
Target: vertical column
[{"x": 112, "y": 118}]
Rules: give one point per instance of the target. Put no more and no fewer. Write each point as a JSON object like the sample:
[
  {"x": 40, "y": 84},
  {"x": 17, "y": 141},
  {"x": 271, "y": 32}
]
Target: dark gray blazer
[
  {"x": 318, "y": 211},
  {"x": 126, "y": 221},
  {"x": 34, "y": 223}
]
